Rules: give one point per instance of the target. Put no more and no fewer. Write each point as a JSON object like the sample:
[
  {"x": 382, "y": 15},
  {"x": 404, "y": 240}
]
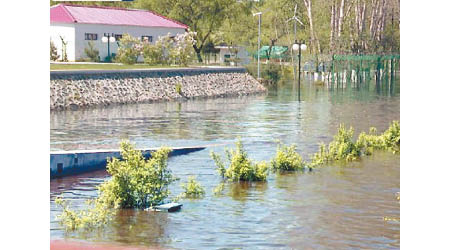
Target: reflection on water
[{"x": 333, "y": 207}]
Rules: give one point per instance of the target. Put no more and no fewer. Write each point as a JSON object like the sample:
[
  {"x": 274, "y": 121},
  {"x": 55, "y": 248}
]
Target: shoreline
[{"x": 76, "y": 89}]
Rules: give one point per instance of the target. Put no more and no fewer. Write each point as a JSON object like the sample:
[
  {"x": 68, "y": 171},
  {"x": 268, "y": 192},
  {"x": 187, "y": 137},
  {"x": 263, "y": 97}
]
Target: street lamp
[
  {"x": 108, "y": 38},
  {"x": 299, "y": 46},
  {"x": 259, "y": 36}
]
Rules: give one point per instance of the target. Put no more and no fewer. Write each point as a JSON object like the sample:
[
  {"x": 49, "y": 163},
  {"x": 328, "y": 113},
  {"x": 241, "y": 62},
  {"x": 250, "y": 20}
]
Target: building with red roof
[{"x": 76, "y": 25}]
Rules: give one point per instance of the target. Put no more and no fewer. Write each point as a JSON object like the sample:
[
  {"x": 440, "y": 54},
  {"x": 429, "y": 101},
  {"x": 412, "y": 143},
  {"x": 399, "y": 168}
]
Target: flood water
[{"x": 333, "y": 207}]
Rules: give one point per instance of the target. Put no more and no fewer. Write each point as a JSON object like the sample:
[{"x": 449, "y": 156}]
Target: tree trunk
[
  {"x": 315, "y": 43},
  {"x": 382, "y": 23},
  {"x": 341, "y": 18},
  {"x": 197, "y": 51},
  {"x": 360, "y": 19},
  {"x": 373, "y": 18},
  {"x": 332, "y": 25}
]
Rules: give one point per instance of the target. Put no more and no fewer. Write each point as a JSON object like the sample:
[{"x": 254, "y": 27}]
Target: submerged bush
[
  {"x": 391, "y": 137},
  {"x": 240, "y": 168},
  {"x": 98, "y": 214},
  {"x": 192, "y": 189},
  {"x": 343, "y": 148},
  {"x": 287, "y": 159},
  {"x": 272, "y": 72},
  {"x": 219, "y": 189},
  {"x": 389, "y": 140},
  {"x": 135, "y": 183}
]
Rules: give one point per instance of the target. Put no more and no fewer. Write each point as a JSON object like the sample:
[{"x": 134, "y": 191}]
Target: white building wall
[
  {"x": 100, "y": 29},
  {"x": 67, "y": 32}
]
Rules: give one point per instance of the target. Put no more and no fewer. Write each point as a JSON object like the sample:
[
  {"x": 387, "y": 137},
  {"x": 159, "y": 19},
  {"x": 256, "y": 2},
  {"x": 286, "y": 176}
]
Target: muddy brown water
[{"x": 334, "y": 207}]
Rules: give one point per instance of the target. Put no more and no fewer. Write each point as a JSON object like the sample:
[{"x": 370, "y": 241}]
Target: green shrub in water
[
  {"x": 287, "y": 159},
  {"x": 219, "y": 189},
  {"x": 272, "y": 72},
  {"x": 389, "y": 140},
  {"x": 192, "y": 189},
  {"x": 391, "y": 137},
  {"x": 135, "y": 183},
  {"x": 240, "y": 168},
  {"x": 343, "y": 148},
  {"x": 98, "y": 214}
]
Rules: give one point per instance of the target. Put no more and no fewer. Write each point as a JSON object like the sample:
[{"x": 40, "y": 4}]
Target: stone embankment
[{"x": 73, "y": 89}]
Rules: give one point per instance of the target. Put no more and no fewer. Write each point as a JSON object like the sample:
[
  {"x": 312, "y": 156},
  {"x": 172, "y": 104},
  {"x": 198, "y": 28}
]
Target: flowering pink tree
[
  {"x": 182, "y": 51},
  {"x": 170, "y": 50},
  {"x": 129, "y": 49}
]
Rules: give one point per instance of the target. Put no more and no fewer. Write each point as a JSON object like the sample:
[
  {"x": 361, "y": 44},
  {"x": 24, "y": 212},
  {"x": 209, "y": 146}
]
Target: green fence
[{"x": 382, "y": 67}]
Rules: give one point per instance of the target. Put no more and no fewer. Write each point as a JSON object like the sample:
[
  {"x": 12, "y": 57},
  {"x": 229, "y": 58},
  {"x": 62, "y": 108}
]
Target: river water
[{"x": 331, "y": 207}]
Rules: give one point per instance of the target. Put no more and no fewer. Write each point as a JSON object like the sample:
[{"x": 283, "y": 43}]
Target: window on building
[
  {"x": 118, "y": 37},
  {"x": 90, "y": 36},
  {"x": 147, "y": 39}
]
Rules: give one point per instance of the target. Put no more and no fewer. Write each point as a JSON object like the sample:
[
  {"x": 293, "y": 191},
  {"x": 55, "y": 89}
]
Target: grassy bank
[{"x": 105, "y": 66}]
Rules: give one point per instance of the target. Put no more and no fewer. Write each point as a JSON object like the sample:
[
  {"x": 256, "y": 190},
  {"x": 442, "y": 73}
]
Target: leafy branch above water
[
  {"x": 241, "y": 167},
  {"x": 192, "y": 189},
  {"x": 140, "y": 183},
  {"x": 135, "y": 183},
  {"x": 344, "y": 148},
  {"x": 287, "y": 159}
]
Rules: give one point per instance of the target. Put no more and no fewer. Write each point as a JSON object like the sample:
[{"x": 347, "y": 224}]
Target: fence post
[{"x": 332, "y": 69}]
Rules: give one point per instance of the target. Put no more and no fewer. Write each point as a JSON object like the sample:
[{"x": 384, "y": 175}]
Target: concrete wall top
[{"x": 154, "y": 72}]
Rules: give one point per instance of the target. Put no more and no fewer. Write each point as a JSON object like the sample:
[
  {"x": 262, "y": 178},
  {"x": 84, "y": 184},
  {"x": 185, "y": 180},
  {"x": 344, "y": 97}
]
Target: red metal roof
[{"x": 65, "y": 13}]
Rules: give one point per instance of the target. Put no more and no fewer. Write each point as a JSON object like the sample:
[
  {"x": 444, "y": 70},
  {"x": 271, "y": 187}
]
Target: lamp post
[
  {"x": 108, "y": 38},
  {"x": 299, "y": 46},
  {"x": 259, "y": 36}
]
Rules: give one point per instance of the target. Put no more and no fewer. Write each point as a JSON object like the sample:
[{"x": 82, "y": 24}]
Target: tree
[
  {"x": 129, "y": 49},
  {"x": 204, "y": 17},
  {"x": 170, "y": 50}
]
